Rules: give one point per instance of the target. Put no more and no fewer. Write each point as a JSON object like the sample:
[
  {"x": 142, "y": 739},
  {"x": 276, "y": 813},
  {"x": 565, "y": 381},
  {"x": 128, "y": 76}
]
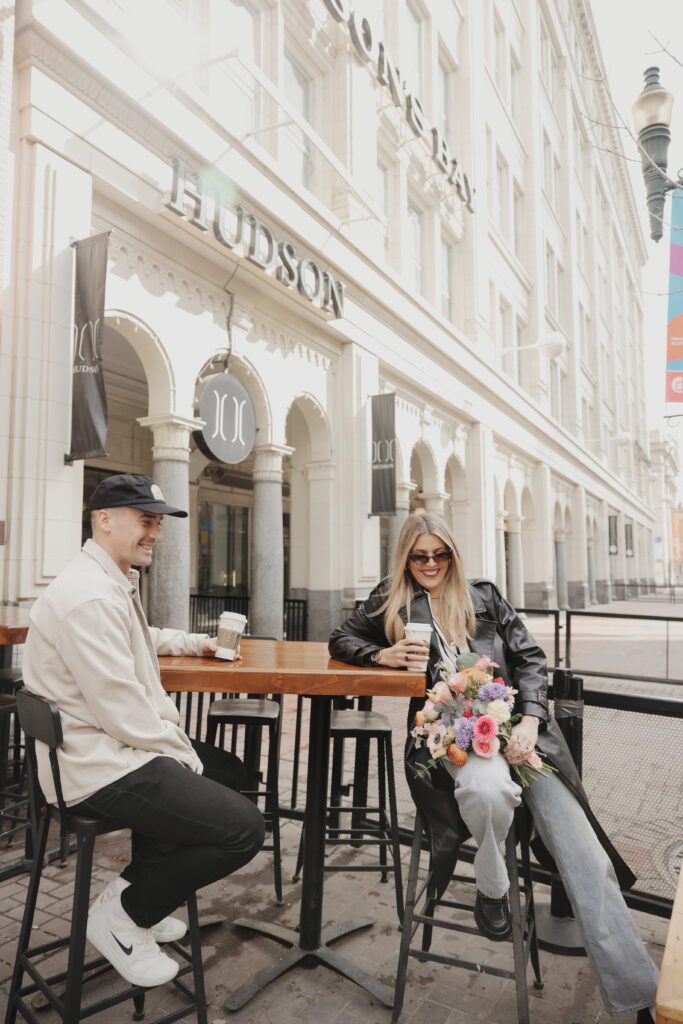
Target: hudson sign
[
  {"x": 372, "y": 51},
  {"x": 247, "y": 235}
]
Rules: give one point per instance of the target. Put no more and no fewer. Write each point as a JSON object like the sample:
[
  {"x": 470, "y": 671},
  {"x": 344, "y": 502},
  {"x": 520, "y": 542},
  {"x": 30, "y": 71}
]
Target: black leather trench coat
[{"x": 501, "y": 635}]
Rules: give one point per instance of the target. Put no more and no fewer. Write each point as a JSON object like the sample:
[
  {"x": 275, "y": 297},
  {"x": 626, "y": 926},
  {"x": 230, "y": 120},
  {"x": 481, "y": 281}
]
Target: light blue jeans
[{"x": 487, "y": 798}]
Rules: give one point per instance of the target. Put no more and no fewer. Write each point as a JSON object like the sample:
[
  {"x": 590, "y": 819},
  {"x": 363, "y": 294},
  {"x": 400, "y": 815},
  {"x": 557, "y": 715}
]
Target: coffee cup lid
[{"x": 235, "y": 615}]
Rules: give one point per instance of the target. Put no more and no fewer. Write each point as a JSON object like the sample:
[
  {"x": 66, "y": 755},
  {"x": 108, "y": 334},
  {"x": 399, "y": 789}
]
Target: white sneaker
[
  {"x": 128, "y": 948},
  {"x": 171, "y": 929}
]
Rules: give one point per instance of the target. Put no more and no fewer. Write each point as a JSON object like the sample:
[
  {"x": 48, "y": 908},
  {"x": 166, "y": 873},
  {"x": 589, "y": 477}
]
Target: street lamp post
[{"x": 652, "y": 118}]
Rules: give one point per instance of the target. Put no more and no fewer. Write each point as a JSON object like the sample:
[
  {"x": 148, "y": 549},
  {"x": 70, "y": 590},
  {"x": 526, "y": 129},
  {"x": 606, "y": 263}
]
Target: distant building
[{"x": 396, "y": 196}]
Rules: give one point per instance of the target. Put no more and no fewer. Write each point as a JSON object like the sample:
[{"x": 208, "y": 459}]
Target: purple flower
[
  {"x": 463, "y": 733},
  {"x": 492, "y": 691}
]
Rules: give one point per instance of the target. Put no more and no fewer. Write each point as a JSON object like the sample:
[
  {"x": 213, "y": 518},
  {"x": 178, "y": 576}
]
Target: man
[{"x": 124, "y": 758}]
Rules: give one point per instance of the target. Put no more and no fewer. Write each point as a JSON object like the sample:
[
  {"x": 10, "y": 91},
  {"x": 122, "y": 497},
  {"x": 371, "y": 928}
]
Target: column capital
[
  {"x": 320, "y": 470},
  {"x": 268, "y": 462},
  {"x": 171, "y": 436},
  {"x": 434, "y": 502},
  {"x": 403, "y": 490},
  {"x": 514, "y": 523}
]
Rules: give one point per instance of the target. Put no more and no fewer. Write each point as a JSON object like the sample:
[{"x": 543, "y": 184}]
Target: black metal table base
[{"x": 296, "y": 956}]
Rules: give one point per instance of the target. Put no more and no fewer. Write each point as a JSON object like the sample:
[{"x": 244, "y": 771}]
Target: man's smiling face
[{"x": 129, "y": 535}]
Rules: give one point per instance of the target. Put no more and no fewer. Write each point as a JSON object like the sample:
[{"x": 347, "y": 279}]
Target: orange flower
[
  {"x": 419, "y": 718},
  {"x": 456, "y": 755}
]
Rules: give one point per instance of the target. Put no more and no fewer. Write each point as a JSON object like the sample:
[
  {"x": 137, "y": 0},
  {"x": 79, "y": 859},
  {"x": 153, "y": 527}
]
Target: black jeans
[{"x": 188, "y": 830}]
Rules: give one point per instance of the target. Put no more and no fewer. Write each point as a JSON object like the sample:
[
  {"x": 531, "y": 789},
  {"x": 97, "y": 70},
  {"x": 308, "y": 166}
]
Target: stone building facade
[{"x": 328, "y": 201}]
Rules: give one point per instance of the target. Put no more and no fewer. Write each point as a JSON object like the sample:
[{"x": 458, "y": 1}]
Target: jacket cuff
[{"x": 533, "y": 704}]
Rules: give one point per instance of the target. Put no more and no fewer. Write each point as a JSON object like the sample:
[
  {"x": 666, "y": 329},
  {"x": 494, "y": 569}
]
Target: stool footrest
[
  {"x": 468, "y": 965},
  {"x": 360, "y": 867}
]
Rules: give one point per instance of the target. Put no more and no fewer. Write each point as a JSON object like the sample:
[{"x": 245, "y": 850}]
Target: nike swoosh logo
[{"x": 126, "y": 949}]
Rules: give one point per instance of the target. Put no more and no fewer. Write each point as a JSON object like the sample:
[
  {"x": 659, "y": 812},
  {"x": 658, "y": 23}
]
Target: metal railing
[
  {"x": 554, "y": 613},
  {"x": 205, "y": 612},
  {"x": 570, "y": 615}
]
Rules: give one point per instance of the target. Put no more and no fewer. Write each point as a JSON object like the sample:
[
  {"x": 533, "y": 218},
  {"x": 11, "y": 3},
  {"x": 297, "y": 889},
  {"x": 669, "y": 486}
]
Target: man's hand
[
  {"x": 210, "y": 646},
  {"x": 523, "y": 738}
]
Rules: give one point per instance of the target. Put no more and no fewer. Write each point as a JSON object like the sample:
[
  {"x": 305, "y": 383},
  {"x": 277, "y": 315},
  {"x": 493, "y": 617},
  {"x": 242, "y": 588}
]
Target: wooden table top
[
  {"x": 670, "y": 988},
  {"x": 287, "y": 666},
  {"x": 13, "y": 624}
]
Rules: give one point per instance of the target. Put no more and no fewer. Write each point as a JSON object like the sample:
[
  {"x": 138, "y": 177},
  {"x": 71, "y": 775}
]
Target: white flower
[{"x": 499, "y": 710}]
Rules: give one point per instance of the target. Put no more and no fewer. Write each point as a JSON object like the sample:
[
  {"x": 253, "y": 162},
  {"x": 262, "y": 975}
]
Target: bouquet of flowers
[{"x": 471, "y": 710}]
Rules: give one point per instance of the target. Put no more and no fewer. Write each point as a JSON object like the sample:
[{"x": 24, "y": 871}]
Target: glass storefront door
[{"x": 223, "y": 553}]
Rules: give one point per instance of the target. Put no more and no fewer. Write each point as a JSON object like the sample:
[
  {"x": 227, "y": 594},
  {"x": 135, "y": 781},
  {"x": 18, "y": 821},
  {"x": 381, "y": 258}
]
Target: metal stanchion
[{"x": 558, "y": 932}]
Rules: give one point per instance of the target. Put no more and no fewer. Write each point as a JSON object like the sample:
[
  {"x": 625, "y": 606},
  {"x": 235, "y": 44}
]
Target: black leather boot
[
  {"x": 492, "y": 916},
  {"x": 644, "y": 1016}
]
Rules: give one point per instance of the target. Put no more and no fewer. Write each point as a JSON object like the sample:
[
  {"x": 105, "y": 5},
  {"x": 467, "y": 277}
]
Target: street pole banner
[
  {"x": 88, "y": 399},
  {"x": 383, "y": 455},
  {"x": 674, "y": 334}
]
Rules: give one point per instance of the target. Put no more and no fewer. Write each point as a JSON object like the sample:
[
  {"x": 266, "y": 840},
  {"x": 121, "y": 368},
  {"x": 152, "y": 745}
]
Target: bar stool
[
  {"x": 255, "y": 713},
  {"x": 364, "y": 831},
  {"x": 524, "y": 935},
  {"x": 40, "y": 721},
  {"x": 13, "y": 800}
]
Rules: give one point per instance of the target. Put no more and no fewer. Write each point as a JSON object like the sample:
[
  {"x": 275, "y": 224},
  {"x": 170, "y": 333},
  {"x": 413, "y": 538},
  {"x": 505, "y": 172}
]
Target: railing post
[
  {"x": 568, "y": 639},
  {"x": 557, "y": 930}
]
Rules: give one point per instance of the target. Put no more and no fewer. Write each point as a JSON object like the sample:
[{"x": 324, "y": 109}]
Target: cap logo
[{"x": 156, "y": 492}]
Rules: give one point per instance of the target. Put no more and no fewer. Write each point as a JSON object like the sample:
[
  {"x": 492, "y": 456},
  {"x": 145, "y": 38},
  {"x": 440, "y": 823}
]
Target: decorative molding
[
  {"x": 290, "y": 343},
  {"x": 161, "y": 277},
  {"x": 32, "y": 47}
]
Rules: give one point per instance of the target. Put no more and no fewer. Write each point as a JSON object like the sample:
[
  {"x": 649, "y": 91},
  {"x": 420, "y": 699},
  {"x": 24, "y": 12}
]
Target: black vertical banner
[
  {"x": 383, "y": 455},
  {"x": 88, "y": 400},
  {"x": 612, "y": 534}
]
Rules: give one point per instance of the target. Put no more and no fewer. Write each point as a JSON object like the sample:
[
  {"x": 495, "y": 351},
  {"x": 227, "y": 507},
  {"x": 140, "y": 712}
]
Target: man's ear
[{"x": 102, "y": 519}]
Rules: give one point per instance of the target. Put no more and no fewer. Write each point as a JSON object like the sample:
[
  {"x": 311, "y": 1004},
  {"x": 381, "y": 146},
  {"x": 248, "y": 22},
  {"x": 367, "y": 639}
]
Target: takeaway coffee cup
[
  {"x": 230, "y": 629},
  {"x": 422, "y": 633}
]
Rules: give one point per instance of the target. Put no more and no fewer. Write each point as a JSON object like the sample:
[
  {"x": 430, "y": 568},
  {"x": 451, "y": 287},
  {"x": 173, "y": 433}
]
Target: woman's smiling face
[{"x": 429, "y": 562}]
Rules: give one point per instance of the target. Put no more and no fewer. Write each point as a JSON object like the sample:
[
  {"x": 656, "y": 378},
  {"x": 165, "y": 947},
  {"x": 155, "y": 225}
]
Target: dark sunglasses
[{"x": 439, "y": 557}]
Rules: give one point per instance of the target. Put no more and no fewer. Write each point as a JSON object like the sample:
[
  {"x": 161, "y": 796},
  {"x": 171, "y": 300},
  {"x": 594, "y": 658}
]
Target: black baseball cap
[{"x": 132, "y": 491}]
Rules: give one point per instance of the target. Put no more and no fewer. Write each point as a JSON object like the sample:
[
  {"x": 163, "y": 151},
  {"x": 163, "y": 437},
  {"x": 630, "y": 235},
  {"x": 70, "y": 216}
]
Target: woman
[{"x": 428, "y": 585}]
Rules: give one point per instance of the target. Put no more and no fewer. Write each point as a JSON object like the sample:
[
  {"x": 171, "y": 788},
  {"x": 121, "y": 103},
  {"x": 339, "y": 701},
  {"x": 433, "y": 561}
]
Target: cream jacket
[{"x": 90, "y": 650}]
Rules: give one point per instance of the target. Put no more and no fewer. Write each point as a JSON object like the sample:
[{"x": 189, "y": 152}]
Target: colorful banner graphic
[{"x": 674, "y": 335}]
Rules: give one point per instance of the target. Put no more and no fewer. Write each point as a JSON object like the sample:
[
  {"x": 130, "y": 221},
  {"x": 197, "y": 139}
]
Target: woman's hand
[
  {"x": 402, "y": 654},
  {"x": 522, "y": 741}
]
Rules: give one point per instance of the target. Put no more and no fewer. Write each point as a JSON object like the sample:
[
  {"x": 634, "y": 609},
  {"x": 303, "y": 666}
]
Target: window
[
  {"x": 500, "y": 197},
  {"x": 554, "y": 279},
  {"x": 515, "y": 85},
  {"x": 443, "y": 104},
  {"x": 517, "y": 216},
  {"x": 547, "y": 61},
  {"x": 415, "y": 238},
  {"x": 412, "y": 48},
  {"x": 499, "y": 56},
  {"x": 548, "y": 169},
  {"x": 447, "y": 268},
  {"x": 383, "y": 205},
  {"x": 228, "y": 80},
  {"x": 295, "y": 150}
]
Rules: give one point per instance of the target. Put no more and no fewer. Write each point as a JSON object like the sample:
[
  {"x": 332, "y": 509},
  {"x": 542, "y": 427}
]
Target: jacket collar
[
  {"x": 94, "y": 550},
  {"x": 420, "y": 610}
]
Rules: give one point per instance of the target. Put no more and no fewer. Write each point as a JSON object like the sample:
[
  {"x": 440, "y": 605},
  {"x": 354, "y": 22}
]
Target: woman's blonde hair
[{"x": 456, "y": 615}]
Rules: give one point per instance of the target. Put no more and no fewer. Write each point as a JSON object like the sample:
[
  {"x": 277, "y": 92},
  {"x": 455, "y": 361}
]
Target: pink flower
[
  {"x": 441, "y": 693},
  {"x": 429, "y": 711},
  {"x": 483, "y": 663},
  {"x": 485, "y": 746},
  {"x": 467, "y": 703},
  {"x": 467, "y": 714},
  {"x": 499, "y": 680},
  {"x": 534, "y": 761},
  {"x": 486, "y": 726},
  {"x": 458, "y": 682}
]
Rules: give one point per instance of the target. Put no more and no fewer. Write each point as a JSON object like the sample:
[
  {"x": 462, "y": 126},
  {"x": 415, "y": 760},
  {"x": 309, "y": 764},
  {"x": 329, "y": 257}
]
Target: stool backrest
[{"x": 40, "y": 720}]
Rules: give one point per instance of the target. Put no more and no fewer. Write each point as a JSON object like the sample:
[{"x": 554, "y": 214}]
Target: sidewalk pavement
[{"x": 434, "y": 995}]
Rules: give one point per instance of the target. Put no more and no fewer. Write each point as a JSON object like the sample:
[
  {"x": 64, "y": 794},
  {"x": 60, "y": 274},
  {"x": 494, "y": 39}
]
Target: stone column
[
  {"x": 539, "y": 586},
  {"x": 434, "y": 502},
  {"x": 169, "y": 575},
  {"x": 501, "y": 567},
  {"x": 577, "y": 588},
  {"x": 603, "y": 580},
  {"x": 324, "y": 591},
  {"x": 266, "y": 604},
  {"x": 561, "y": 570},
  {"x": 481, "y": 556},
  {"x": 515, "y": 581},
  {"x": 396, "y": 522},
  {"x": 592, "y": 593}
]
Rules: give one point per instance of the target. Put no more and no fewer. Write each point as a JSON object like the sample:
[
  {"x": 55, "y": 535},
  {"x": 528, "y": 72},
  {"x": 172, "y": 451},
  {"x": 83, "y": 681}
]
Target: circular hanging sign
[{"x": 228, "y": 412}]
